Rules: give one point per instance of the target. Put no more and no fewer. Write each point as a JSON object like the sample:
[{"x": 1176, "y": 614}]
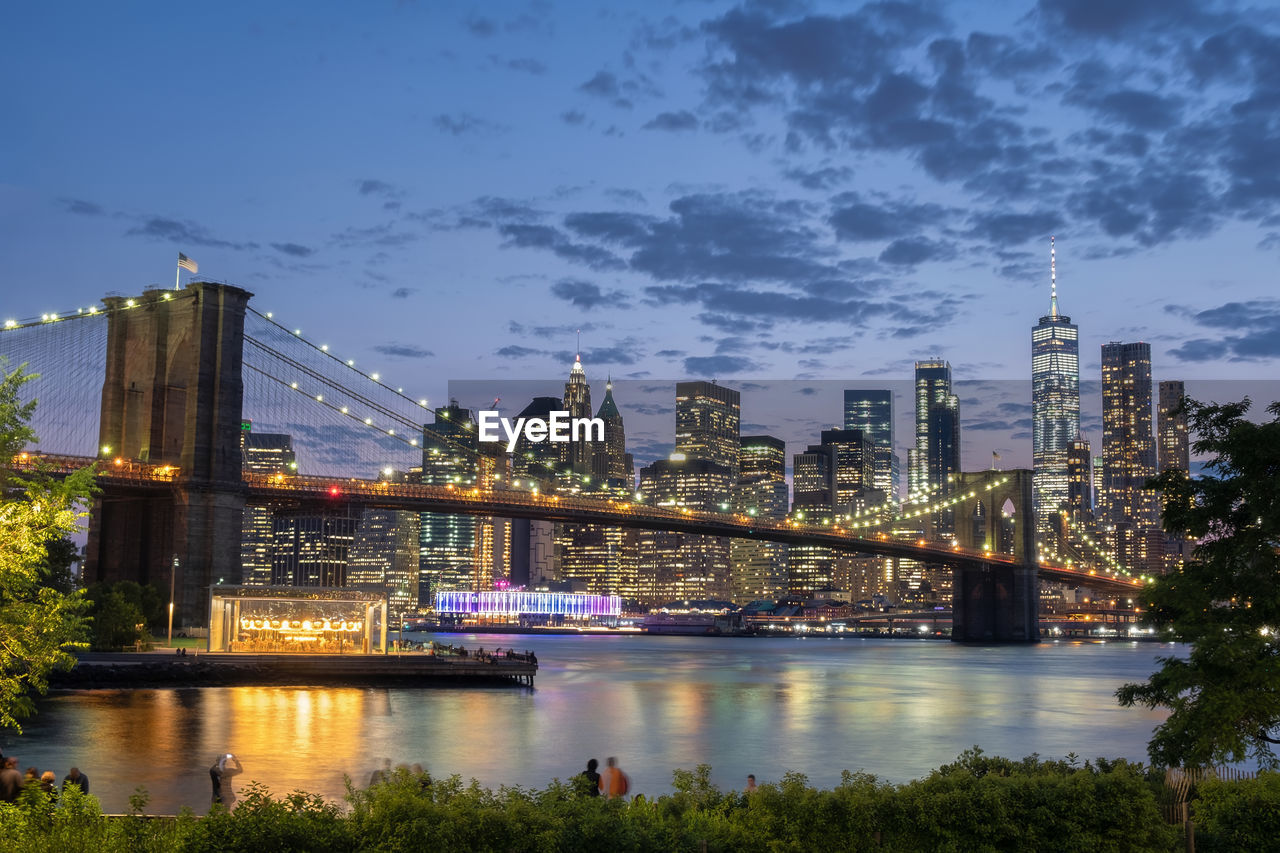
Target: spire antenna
[{"x": 1053, "y": 279}]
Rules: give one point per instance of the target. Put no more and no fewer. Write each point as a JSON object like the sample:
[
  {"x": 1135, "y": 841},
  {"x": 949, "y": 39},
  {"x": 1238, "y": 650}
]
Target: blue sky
[{"x": 811, "y": 191}]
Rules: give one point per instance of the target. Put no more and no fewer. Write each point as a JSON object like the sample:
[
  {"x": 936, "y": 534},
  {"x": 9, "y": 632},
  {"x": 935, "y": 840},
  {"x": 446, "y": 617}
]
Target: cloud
[
  {"x": 1094, "y": 18},
  {"x": 1249, "y": 331},
  {"x": 516, "y": 351},
  {"x": 573, "y": 117},
  {"x": 383, "y": 235},
  {"x": 1012, "y": 229},
  {"x": 619, "y": 91},
  {"x": 480, "y": 26},
  {"x": 1167, "y": 156},
  {"x": 403, "y": 351},
  {"x": 682, "y": 120},
  {"x": 527, "y": 65},
  {"x": 910, "y": 251},
  {"x": 719, "y": 365},
  {"x": 856, "y": 219},
  {"x": 824, "y": 178},
  {"x": 586, "y": 295},
  {"x": 373, "y": 186},
  {"x": 1200, "y": 349},
  {"x": 294, "y": 249},
  {"x": 626, "y": 196},
  {"x": 628, "y": 351},
  {"x": 748, "y": 236},
  {"x": 605, "y": 85},
  {"x": 182, "y": 232},
  {"x": 553, "y": 331},
  {"x": 403, "y": 292},
  {"x": 748, "y": 259},
  {"x": 546, "y": 237},
  {"x": 81, "y": 207},
  {"x": 461, "y": 124}
]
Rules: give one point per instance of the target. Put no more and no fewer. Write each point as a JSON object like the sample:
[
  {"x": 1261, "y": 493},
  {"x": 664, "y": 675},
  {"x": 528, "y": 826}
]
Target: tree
[
  {"x": 118, "y": 622},
  {"x": 61, "y": 554},
  {"x": 39, "y": 625},
  {"x": 1224, "y": 697}
]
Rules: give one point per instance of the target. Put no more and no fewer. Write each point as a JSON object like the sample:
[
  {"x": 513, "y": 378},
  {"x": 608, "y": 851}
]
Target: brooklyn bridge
[{"x": 172, "y": 375}]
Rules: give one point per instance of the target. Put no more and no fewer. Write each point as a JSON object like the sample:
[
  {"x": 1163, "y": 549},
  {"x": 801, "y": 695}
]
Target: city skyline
[{"x": 584, "y": 164}]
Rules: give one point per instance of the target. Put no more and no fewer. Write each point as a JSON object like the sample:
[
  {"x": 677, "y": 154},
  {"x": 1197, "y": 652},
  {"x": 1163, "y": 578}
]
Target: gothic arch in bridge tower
[
  {"x": 985, "y": 496},
  {"x": 996, "y": 600}
]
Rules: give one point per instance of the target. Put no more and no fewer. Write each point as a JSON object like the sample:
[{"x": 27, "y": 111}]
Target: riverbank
[{"x": 976, "y": 802}]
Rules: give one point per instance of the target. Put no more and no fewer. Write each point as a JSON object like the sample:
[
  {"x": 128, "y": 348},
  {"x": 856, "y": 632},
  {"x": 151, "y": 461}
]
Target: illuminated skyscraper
[
  {"x": 1055, "y": 404},
  {"x": 605, "y": 558},
  {"x": 263, "y": 453},
  {"x": 855, "y": 466},
  {"x": 1174, "y": 449},
  {"x": 936, "y": 456},
  {"x": 1080, "y": 480},
  {"x": 684, "y": 566},
  {"x": 533, "y": 553},
  {"x": 312, "y": 548},
  {"x": 576, "y": 456},
  {"x": 447, "y": 543},
  {"x": 1129, "y": 511},
  {"x": 707, "y": 423},
  {"x": 871, "y": 412},
  {"x": 384, "y": 553},
  {"x": 814, "y": 481},
  {"x": 610, "y": 461},
  {"x": 1173, "y": 453},
  {"x": 759, "y": 569}
]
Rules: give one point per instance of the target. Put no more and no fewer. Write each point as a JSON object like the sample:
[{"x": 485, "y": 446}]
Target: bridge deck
[{"x": 299, "y": 490}]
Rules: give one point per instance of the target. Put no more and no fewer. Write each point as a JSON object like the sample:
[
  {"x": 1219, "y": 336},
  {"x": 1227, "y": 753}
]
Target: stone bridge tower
[
  {"x": 173, "y": 395},
  {"x": 996, "y": 602}
]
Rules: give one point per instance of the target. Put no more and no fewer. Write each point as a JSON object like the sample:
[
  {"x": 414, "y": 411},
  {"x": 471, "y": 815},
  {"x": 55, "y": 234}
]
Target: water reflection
[{"x": 763, "y": 706}]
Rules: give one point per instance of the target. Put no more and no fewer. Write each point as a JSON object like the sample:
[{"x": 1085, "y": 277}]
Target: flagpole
[{"x": 177, "y": 277}]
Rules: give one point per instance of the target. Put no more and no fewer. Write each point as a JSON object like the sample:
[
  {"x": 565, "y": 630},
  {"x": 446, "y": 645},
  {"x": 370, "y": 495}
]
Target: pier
[{"x": 218, "y": 669}]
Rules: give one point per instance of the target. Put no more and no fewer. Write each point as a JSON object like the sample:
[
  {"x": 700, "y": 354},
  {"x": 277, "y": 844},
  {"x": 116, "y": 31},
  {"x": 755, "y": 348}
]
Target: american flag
[{"x": 187, "y": 264}]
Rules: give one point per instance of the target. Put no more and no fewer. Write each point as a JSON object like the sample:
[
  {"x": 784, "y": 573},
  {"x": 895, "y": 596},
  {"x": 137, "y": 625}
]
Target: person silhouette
[{"x": 223, "y": 774}]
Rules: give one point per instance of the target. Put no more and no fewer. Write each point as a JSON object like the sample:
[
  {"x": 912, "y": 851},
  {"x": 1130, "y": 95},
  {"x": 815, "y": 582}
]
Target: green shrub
[
  {"x": 1238, "y": 816},
  {"x": 977, "y": 803}
]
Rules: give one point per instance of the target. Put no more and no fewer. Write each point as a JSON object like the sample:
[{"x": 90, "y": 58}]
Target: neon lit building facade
[{"x": 511, "y": 605}]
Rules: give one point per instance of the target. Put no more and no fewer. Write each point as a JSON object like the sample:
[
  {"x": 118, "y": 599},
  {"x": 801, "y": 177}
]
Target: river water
[{"x": 895, "y": 708}]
